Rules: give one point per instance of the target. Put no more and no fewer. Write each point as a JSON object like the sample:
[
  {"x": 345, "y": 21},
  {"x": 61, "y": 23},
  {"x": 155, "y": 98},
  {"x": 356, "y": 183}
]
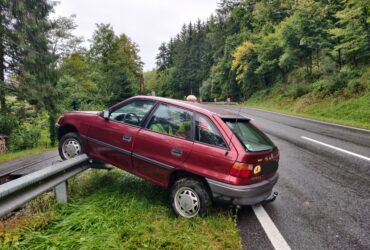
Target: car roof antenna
[{"x": 236, "y": 124}]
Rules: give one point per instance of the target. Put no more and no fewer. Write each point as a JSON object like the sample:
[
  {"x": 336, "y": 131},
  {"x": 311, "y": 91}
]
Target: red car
[{"x": 201, "y": 153}]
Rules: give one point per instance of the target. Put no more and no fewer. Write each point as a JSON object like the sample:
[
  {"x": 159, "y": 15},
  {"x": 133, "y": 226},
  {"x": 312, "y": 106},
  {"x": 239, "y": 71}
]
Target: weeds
[{"x": 116, "y": 210}]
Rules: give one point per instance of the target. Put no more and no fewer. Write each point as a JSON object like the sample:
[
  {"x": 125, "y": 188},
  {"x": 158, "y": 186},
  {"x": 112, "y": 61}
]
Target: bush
[
  {"x": 25, "y": 137},
  {"x": 360, "y": 84},
  {"x": 260, "y": 94},
  {"x": 8, "y": 122},
  {"x": 297, "y": 90},
  {"x": 329, "y": 86},
  {"x": 298, "y": 75}
]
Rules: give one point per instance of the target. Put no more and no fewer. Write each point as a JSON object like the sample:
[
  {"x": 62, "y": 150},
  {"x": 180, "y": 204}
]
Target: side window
[
  {"x": 206, "y": 132},
  {"x": 132, "y": 113},
  {"x": 171, "y": 120}
]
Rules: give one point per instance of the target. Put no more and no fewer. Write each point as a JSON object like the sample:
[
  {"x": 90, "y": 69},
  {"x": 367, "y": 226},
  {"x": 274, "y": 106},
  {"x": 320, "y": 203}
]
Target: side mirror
[{"x": 106, "y": 114}]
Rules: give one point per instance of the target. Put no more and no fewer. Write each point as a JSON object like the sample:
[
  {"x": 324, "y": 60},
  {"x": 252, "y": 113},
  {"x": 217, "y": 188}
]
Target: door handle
[
  {"x": 126, "y": 138},
  {"x": 176, "y": 152}
]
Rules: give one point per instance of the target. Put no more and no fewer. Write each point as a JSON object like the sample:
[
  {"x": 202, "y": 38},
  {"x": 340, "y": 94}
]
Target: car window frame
[
  {"x": 217, "y": 129},
  {"x": 145, "y": 126},
  {"x": 143, "y": 121}
]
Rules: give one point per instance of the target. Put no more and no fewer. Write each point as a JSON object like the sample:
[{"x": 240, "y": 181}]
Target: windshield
[{"x": 250, "y": 137}]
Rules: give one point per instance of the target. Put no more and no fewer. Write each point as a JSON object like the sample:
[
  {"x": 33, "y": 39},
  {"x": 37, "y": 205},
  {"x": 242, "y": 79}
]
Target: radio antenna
[{"x": 232, "y": 130}]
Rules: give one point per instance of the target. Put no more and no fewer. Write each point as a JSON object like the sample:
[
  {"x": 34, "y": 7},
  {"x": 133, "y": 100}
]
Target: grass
[
  {"x": 13, "y": 155},
  {"x": 116, "y": 210},
  {"x": 354, "y": 111}
]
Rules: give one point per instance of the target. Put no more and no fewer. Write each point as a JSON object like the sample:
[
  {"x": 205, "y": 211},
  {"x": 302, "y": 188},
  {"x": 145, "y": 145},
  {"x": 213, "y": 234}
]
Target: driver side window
[{"x": 132, "y": 113}]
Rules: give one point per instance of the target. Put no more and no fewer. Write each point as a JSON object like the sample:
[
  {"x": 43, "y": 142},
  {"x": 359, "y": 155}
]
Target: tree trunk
[
  {"x": 339, "y": 58},
  {"x": 317, "y": 59},
  {"x": 2, "y": 65},
  {"x": 284, "y": 75}
]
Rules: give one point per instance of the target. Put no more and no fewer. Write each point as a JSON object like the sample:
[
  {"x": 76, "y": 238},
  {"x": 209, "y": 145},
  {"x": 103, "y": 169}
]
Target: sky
[{"x": 147, "y": 22}]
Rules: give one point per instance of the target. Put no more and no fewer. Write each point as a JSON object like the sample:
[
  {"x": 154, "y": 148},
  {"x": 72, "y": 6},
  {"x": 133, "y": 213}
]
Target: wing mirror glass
[{"x": 106, "y": 114}]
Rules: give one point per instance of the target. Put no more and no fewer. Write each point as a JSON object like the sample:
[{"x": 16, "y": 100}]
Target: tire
[
  {"x": 70, "y": 146},
  {"x": 189, "y": 198}
]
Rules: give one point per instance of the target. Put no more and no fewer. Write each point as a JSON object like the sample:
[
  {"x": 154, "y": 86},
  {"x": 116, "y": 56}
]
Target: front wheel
[
  {"x": 69, "y": 146},
  {"x": 189, "y": 198}
]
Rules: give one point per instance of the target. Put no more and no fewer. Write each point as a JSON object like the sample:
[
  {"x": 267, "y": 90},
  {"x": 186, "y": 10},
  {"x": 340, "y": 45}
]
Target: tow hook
[{"x": 271, "y": 198}]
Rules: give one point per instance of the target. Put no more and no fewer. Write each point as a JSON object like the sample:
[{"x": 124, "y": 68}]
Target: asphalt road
[
  {"x": 28, "y": 164},
  {"x": 324, "y": 192}
]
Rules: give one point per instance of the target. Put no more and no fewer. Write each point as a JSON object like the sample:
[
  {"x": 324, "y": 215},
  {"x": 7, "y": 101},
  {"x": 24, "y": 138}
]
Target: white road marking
[
  {"x": 271, "y": 230},
  {"x": 312, "y": 120},
  {"x": 336, "y": 148}
]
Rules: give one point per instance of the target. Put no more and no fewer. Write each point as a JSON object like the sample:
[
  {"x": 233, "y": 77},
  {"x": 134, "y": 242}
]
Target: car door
[
  {"x": 111, "y": 140},
  {"x": 164, "y": 143},
  {"x": 211, "y": 155}
]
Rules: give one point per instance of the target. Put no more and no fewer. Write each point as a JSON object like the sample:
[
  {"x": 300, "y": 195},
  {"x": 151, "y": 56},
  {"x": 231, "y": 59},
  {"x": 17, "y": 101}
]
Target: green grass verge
[
  {"x": 117, "y": 210},
  {"x": 13, "y": 155},
  {"x": 353, "y": 111}
]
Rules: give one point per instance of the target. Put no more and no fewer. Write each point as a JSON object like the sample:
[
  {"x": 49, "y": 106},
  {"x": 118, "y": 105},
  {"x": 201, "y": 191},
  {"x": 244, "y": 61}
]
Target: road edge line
[
  {"x": 270, "y": 229},
  {"x": 336, "y": 148}
]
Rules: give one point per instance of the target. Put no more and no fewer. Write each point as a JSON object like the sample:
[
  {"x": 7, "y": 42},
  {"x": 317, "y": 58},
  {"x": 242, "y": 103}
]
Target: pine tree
[{"x": 353, "y": 31}]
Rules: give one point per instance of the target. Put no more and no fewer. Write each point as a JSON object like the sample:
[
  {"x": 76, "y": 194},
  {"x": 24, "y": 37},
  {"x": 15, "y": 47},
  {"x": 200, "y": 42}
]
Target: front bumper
[
  {"x": 56, "y": 128},
  {"x": 242, "y": 195}
]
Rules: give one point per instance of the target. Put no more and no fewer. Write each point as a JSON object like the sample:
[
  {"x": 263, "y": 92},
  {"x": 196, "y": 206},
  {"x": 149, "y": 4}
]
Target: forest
[
  {"x": 253, "y": 48},
  {"x": 45, "y": 70}
]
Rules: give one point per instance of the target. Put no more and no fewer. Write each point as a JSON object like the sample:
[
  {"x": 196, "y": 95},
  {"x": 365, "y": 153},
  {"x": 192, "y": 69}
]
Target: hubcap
[
  {"x": 187, "y": 202},
  {"x": 71, "y": 147}
]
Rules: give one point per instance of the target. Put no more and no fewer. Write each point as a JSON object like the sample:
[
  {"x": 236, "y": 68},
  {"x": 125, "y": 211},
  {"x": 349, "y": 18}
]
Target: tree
[
  {"x": 353, "y": 31},
  {"x": 162, "y": 57},
  {"x": 250, "y": 45},
  {"x": 36, "y": 76},
  {"x": 19, "y": 34},
  {"x": 116, "y": 63},
  {"x": 62, "y": 42}
]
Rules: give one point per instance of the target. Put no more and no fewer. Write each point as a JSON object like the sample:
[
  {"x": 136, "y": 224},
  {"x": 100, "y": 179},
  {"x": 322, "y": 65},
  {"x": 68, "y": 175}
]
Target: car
[{"x": 202, "y": 154}]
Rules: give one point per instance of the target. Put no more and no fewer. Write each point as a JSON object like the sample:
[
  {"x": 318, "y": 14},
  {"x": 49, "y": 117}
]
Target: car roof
[{"x": 198, "y": 107}]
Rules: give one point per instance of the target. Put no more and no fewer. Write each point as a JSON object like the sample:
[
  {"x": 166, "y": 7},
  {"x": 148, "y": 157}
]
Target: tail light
[{"x": 244, "y": 170}]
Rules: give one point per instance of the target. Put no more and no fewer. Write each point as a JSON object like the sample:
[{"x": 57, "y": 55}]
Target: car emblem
[{"x": 257, "y": 169}]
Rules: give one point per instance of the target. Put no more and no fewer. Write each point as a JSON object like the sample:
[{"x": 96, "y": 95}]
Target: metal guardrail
[{"x": 16, "y": 193}]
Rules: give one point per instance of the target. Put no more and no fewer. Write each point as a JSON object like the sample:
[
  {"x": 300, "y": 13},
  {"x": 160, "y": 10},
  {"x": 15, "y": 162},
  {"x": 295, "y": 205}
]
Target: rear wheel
[
  {"x": 189, "y": 198},
  {"x": 70, "y": 146}
]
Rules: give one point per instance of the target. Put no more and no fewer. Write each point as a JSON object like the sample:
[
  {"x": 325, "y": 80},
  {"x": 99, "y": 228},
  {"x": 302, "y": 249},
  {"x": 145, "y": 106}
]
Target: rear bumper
[{"x": 243, "y": 195}]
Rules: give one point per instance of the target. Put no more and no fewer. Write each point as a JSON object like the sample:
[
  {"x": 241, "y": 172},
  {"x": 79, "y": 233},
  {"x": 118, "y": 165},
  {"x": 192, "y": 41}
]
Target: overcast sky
[{"x": 146, "y": 22}]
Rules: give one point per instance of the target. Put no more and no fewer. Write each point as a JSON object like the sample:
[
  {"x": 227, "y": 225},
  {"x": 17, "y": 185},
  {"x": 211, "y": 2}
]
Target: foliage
[
  {"x": 26, "y": 136},
  {"x": 150, "y": 80},
  {"x": 352, "y": 32},
  {"x": 107, "y": 73},
  {"x": 247, "y": 46},
  {"x": 43, "y": 64},
  {"x": 112, "y": 210},
  {"x": 7, "y": 123}
]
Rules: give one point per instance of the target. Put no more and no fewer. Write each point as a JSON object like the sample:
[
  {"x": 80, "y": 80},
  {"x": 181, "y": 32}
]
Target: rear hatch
[{"x": 261, "y": 156}]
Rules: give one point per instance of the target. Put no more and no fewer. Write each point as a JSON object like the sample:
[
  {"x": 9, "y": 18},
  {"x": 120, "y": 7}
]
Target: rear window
[{"x": 249, "y": 136}]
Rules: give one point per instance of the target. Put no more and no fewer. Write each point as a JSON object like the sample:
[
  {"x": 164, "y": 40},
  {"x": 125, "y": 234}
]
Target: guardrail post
[{"x": 61, "y": 192}]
